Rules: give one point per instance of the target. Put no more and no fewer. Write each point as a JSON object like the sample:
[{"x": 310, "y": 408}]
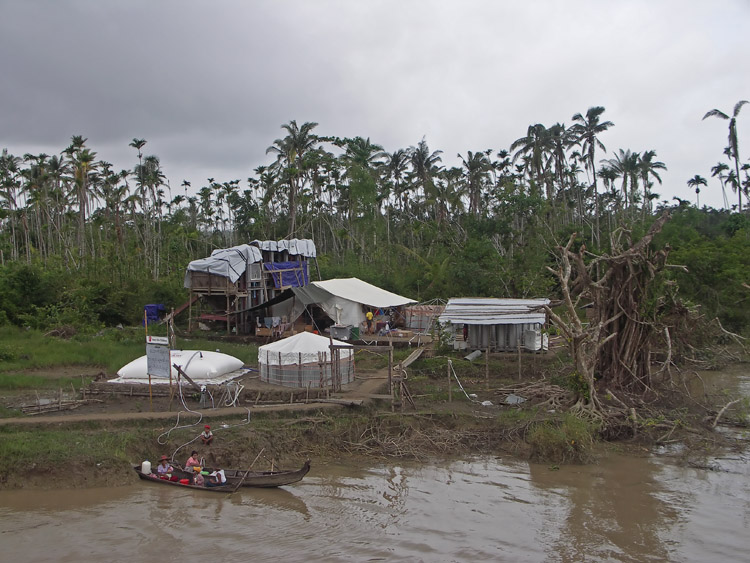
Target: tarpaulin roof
[
  {"x": 343, "y": 299},
  {"x": 295, "y": 247},
  {"x": 362, "y": 292},
  {"x": 227, "y": 262},
  {"x": 232, "y": 262},
  {"x": 491, "y": 311},
  {"x": 302, "y": 348}
]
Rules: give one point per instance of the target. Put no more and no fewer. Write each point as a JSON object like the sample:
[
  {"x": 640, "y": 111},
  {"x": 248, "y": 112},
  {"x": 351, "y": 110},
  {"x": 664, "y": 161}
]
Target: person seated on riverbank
[
  {"x": 207, "y": 436},
  {"x": 216, "y": 479},
  {"x": 192, "y": 461},
  {"x": 163, "y": 469}
]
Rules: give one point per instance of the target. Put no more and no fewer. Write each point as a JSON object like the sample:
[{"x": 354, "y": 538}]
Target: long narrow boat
[
  {"x": 268, "y": 478},
  {"x": 265, "y": 479},
  {"x": 230, "y": 486}
]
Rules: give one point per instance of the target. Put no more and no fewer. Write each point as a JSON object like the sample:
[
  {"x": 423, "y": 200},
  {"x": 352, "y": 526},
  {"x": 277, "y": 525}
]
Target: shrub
[{"x": 567, "y": 440}]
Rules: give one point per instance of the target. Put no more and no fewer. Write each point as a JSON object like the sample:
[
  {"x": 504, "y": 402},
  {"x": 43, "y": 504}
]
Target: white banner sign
[{"x": 157, "y": 359}]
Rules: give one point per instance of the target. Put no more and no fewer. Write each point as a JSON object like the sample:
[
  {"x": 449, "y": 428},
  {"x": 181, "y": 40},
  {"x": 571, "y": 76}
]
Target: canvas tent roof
[
  {"x": 342, "y": 299},
  {"x": 232, "y": 262},
  {"x": 491, "y": 311},
  {"x": 300, "y": 348}
]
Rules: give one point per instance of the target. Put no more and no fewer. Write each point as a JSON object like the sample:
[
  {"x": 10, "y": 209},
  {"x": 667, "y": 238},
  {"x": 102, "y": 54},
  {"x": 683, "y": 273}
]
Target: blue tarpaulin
[
  {"x": 288, "y": 274},
  {"x": 153, "y": 312}
]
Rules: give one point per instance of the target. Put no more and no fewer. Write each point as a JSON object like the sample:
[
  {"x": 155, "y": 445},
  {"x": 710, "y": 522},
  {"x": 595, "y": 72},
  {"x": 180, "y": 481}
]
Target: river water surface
[{"x": 620, "y": 509}]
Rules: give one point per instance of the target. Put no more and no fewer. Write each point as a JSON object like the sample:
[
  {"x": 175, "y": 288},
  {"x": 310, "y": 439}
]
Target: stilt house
[{"x": 232, "y": 281}]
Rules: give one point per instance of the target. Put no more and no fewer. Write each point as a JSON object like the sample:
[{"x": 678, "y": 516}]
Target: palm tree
[
  {"x": 625, "y": 163},
  {"x": 733, "y": 144},
  {"x": 395, "y": 167},
  {"x": 477, "y": 168},
  {"x": 423, "y": 163},
  {"x": 290, "y": 153},
  {"x": 648, "y": 167},
  {"x": 719, "y": 171},
  {"x": 696, "y": 182},
  {"x": 587, "y": 128},
  {"x": 534, "y": 147}
]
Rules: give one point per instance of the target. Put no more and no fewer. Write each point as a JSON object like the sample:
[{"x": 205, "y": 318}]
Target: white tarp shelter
[
  {"x": 343, "y": 299},
  {"x": 305, "y": 359},
  {"x": 501, "y": 324},
  {"x": 233, "y": 262}
]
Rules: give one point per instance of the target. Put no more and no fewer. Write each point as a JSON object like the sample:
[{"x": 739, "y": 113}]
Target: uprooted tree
[{"x": 614, "y": 349}]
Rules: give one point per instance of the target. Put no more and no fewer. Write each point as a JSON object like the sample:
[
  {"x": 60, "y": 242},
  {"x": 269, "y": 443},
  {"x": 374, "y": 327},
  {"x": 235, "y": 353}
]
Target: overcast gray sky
[{"x": 209, "y": 84}]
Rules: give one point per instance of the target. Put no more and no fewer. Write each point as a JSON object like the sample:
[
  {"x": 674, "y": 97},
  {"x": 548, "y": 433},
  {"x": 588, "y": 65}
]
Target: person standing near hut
[
  {"x": 207, "y": 436},
  {"x": 368, "y": 319}
]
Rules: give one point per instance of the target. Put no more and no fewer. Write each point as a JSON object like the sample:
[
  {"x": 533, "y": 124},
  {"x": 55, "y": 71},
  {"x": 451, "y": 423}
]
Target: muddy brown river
[{"x": 620, "y": 509}]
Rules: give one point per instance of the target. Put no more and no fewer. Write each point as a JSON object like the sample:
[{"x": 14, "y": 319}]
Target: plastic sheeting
[
  {"x": 342, "y": 299},
  {"x": 287, "y": 274},
  {"x": 295, "y": 247},
  {"x": 227, "y": 262},
  {"x": 302, "y": 348},
  {"x": 233, "y": 262},
  {"x": 202, "y": 366}
]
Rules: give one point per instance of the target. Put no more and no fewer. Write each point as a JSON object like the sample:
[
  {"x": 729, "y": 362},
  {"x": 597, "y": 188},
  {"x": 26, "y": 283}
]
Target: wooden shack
[{"x": 225, "y": 286}]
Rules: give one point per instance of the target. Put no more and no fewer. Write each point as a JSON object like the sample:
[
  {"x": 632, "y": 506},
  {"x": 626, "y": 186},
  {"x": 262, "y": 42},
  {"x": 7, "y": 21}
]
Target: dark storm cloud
[{"x": 208, "y": 84}]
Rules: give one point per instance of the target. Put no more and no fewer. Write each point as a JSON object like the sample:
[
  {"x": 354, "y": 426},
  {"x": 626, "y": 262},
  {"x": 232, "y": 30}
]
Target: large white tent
[
  {"x": 343, "y": 299},
  {"x": 306, "y": 359}
]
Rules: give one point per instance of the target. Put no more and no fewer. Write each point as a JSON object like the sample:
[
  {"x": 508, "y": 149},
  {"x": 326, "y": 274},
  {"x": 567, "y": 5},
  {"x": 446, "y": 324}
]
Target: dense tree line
[{"x": 83, "y": 243}]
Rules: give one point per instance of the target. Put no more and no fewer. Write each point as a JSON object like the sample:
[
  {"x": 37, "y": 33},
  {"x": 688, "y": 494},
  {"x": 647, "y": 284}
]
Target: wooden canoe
[
  {"x": 265, "y": 479},
  {"x": 152, "y": 478}
]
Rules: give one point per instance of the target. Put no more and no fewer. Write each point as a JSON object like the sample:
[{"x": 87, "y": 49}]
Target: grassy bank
[
  {"x": 94, "y": 454},
  {"x": 109, "y": 350}
]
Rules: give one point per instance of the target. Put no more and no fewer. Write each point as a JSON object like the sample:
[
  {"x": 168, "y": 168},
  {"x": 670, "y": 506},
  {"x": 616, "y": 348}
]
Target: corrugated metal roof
[{"x": 492, "y": 311}]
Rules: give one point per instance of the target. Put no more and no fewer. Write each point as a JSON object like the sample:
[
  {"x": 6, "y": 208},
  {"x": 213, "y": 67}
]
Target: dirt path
[{"x": 363, "y": 391}]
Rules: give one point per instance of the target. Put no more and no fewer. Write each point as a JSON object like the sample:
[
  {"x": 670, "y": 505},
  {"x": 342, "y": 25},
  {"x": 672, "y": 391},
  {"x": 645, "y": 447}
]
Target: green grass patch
[
  {"x": 46, "y": 448},
  {"x": 17, "y": 382},
  {"x": 568, "y": 440},
  {"x": 110, "y": 349}
]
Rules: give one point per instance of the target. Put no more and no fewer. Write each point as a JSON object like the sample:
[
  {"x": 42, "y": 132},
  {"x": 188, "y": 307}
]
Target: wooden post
[
  {"x": 519, "y": 359},
  {"x": 487, "y": 366},
  {"x": 150, "y": 397},
  {"x": 390, "y": 369},
  {"x": 299, "y": 369},
  {"x": 450, "y": 393},
  {"x": 190, "y": 313}
]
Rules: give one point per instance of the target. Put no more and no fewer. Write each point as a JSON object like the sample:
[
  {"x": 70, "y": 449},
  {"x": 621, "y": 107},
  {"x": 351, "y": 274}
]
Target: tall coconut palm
[
  {"x": 290, "y": 153},
  {"x": 395, "y": 167},
  {"x": 648, "y": 167},
  {"x": 625, "y": 163},
  {"x": 476, "y": 174},
  {"x": 83, "y": 166},
  {"x": 423, "y": 163},
  {"x": 719, "y": 170},
  {"x": 534, "y": 147},
  {"x": 696, "y": 182},
  {"x": 733, "y": 143},
  {"x": 587, "y": 129}
]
